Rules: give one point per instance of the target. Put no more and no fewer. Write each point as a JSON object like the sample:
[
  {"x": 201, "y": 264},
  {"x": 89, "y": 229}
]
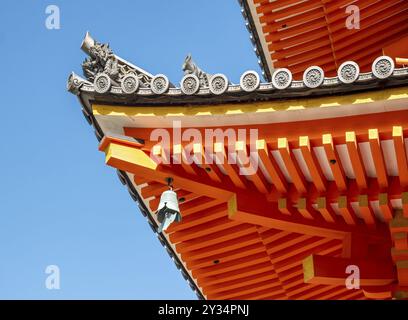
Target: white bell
[{"x": 168, "y": 210}]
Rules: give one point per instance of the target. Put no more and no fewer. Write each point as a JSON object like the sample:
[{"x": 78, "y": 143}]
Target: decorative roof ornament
[
  {"x": 189, "y": 67},
  {"x": 383, "y": 67},
  {"x": 249, "y": 81},
  {"x": 218, "y": 83},
  {"x": 107, "y": 73},
  {"x": 348, "y": 72},
  {"x": 282, "y": 78},
  {"x": 130, "y": 83},
  {"x": 190, "y": 84},
  {"x": 159, "y": 84},
  {"x": 313, "y": 77},
  {"x": 102, "y": 83},
  {"x": 75, "y": 83},
  {"x": 102, "y": 60}
]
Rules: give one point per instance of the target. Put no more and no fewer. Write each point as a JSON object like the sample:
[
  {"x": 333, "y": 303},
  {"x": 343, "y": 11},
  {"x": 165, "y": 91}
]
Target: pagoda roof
[
  {"x": 295, "y": 34},
  {"x": 310, "y": 161}
]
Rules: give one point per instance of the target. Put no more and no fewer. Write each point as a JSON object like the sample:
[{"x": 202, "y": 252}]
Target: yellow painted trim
[
  {"x": 254, "y": 107},
  {"x": 308, "y": 269},
  {"x": 363, "y": 200},
  {"x": 282, "y": 203},
  {"x": 321, "y": 203},
  {"x": 402, "y": 264},
  {"x": 397, "y": 131},
  {"x": 399, "y": 221},
  {"x": 282, "y": 143},
  {"x": 327, "y": 138},
  {"x": 232, "y": 206},
  {"x": 404, "y": 197},
  {"x": 373, "y": 134},
  {"x": 350, "y": 136},
  {"x": 304, "y": 141},
  {"x": 129, "y": 154},
  {"x": 383, "y": 198}
]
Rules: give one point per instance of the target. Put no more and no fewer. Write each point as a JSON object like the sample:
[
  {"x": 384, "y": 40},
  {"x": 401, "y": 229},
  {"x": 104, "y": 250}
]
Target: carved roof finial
[
  {"x": 102, "y": 60},
  {"x": 189, "y": 67}
]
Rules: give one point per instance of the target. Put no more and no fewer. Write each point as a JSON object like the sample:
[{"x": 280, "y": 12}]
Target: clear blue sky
[{"x": 59, "y": 203}]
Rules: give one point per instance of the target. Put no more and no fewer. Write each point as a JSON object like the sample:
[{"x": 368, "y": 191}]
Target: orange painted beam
[
  {"x": 354, "y": 154},
  {"x": 139, "y": 180},
  {"x": 366, "y": 210},
  {"x": 292, "y": 224},
  {"x": 123, "y": 158},
  {"x": 224, "y": 267},
  {"x": 315, "y": 129},
  {"x": 254, "y": 173},
  {"x": 404, "y": 198},
  {"x": 216, "y": 238},
  {"x": 285, "y": 243},
  {"x": 202, "y": 230},
  {"x": 271, "y": 167},
  {"x": 251, "y": 207},
  {"x": 255, "y": 212},
  {"x": 197, "y": 205},
  {"x": 236, "y": 274},
  {"x": 354, "y": 294},
  {"x": 223, "y": 246},
  {"x": 306, "y": 209},
  {"x": 206, "y": 215},
  {"x": 400, "y": 152},
  {"x": 326, "y": 210},
  {"x": 179, "y": 156},
  {"x": 242, "y": 252},
  {"x": 378, "y": 158},
  {"x": 236, "y": 284},
  {"x": 288, "y": 277},
  {"x": 153, "y": 189},
  {"x": 264, "y": 295},
  {"x": 270, "y": 235},
  {"x": 402, "y": 61},
  {"x": 386, "y": 207},
  {"x": 346, "y": 210},
  {"x": 332, "y": 271},
  {"x": 205, "y": 162},
  {"x": 352, "y": 192},
  {"x": 330, "y": 293},
  {"x": 334, "y": 161},
  {"x": 312, "y": 163},
  {"x": 378, "y": 293},
  {"x": 222, "y": 158},
  {"x": 322, "y": 247},
  {"x": 314, "y": 292},
  {"x": 285, "y": 206},
  {"x": 316, "y": 243},
  {"x": 272, "y": 287},
  {"x": 294, "y": 172}
]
